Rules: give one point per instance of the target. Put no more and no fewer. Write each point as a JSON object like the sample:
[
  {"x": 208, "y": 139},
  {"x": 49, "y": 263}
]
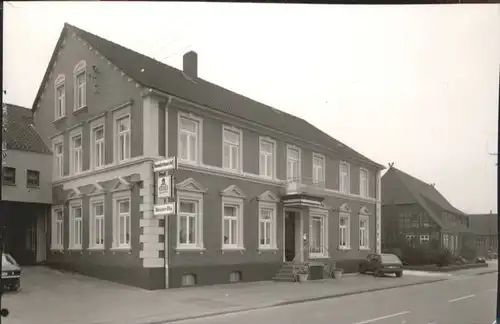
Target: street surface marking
[
  {"x": 460, "y": 298},
  {"x": 381, "y": 318}
]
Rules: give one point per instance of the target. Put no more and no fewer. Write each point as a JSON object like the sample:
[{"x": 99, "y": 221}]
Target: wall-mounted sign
[
  {"x": 167, "y": 209},
  {"x": 165, "y": 186},
  {"x": 165, "y": 165}
]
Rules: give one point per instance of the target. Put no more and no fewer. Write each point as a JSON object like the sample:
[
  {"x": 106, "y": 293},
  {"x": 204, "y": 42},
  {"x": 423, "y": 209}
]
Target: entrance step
[{"x": 286, "y": 272}]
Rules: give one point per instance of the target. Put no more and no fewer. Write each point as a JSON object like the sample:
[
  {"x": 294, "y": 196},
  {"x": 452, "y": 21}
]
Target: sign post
[{"x": 165, "y": 198}]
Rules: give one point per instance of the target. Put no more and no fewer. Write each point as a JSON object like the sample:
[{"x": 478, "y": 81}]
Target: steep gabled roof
[
  {"x": 20, "y": 133},
  {"x": 425, "y": 195},
  {"x": 159, "y": 76}
]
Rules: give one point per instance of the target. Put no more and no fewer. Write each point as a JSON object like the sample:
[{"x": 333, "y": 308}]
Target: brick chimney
[{"x": 190, "y": 64}]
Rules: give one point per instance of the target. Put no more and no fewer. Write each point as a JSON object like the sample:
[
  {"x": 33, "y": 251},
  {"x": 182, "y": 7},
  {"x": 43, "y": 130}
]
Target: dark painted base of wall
[
  {"x": 146, "y": 278},
  {"x": 219, "y": 274}
]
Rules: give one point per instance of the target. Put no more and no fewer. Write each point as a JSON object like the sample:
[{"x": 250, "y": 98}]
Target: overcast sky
[{"x": 414, "y": 85}]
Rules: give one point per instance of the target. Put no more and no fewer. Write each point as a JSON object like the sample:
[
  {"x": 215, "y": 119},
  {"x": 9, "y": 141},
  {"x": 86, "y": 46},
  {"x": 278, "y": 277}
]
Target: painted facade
[{"x": 249, "y": 196}]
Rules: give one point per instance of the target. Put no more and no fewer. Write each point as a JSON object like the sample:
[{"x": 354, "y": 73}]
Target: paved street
[
  {"x": 48, "y": 296},
  {"x": 462, "y": 301}
]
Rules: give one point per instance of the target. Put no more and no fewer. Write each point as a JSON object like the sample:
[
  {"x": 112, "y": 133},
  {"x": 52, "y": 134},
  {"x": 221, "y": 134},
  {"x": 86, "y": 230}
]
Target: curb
[{"x": 285, "y": 303}]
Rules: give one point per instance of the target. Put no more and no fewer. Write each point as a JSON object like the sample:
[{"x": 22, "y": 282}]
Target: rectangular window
[
  {"x": 188, "y": 219},
  {"x": 267, "y": 149},
  {"x": 424, "y": 239},
  {"x": 60, "y": 101},
  {"x": 80, "y": 84},
  {"x": 318, "y": 170},
  {"x": 97, "y": 225},
  {"x": 363, "y": 183},
  {"x": 76, "y": 154},
  {"x": 231, "y": 225},
  {"x": 76, "y": 230},
  {"x": 9, "y": 176},
  {"x": 364, "y": 231},
  {"x": 231, "y": 149},
  {"x": 344, "y": 231},
  {"x": 345, "y": 179},
  {"x": 32, "y": 178},
  {"x": 57, "y": 228},
  {"x": 293, "y": 164},
  {"x": 267, "y": 227},
  {"x": 122, "y": 222},
  {"x": 317, "y": 235},
  {"x": 188, "y": 139},
  {"x": 98, "y": 146},
  {"x": 123, "y": 138},
  {"x": 58, "y": 159}
]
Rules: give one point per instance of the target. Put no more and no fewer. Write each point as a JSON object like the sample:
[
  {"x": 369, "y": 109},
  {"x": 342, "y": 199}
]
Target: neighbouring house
[
  {"x": 485, "y": 228},
  {"x": 419, "y": 212},
  {"x": 26, "y": 188},
  {"x": 256, "y": 187}
]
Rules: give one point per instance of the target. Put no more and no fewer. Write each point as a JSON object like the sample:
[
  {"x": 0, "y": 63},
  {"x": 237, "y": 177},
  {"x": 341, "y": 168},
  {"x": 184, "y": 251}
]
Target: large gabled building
[{"x": 256, "y": 187}]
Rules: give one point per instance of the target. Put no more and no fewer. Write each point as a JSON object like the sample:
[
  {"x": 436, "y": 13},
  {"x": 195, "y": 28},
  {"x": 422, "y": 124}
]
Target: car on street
[
  {"x": 481, "y": 260},
  {"x": 11, "y": 273},
  {"x": 382, "y": 263}
]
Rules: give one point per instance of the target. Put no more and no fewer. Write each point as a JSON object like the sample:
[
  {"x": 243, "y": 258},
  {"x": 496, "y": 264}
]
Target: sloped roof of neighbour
[
  {"x": 484, "y": 224},
  {"x": 167, "y": 79},
  {"x": 20, "y": 133},
  {"x": 426, "y": 195}
]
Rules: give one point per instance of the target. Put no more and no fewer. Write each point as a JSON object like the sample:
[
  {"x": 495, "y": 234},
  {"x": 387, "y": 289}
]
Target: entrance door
[{"x": 289, "y": 236}]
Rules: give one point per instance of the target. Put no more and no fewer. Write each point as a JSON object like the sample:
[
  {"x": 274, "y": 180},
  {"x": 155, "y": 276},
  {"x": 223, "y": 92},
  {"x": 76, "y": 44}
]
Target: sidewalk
[{"x": 77, "y": 300}]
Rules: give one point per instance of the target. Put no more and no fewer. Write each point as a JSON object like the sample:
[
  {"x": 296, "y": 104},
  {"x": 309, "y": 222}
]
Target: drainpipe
[{"x": 378, "y": 211}]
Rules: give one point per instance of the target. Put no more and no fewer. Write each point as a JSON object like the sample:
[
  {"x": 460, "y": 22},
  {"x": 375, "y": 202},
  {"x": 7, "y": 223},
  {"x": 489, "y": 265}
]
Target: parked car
[
  {"x": 381, "y": 264},
  {"x": 11, "y": 273},
  {"x": 481, "y": 260}
]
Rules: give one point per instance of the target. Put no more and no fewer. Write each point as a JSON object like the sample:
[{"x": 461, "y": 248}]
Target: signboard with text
[
  {"x": 167, "y": 209},
  {"x": 166, "y": 165},
  {"x": 164, "y": 186}
]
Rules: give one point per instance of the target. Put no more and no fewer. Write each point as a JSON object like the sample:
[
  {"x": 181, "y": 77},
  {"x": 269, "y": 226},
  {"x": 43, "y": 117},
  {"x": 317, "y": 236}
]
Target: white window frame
[
  {"x": 57, "y": 241},
  {"x": 298, "y": 178},
  {"x": 345, "y": 187},
  {"x": 323, "y": 216},
  {"x": 118, "y": 134},
  {"x": 199, "y": 137},
  {"x": 364, "y": 232},
  {"x": 239, "y": 167},
  {"x": 263, "y": 167},
  {"x": 58, "y": 159},
  {"x": 321, "y": 173},
  {"x": 273, "y": 228},
  {"x": 75, "y": 226},
  {"x": 95, "y": 144},
  {"x": 197, "y": 199},
  {"x": 347, "y": 245},
  {"x": 93, "y": 223},
  {"x": 118, "y": 197},
  {"x": 76, "y": 154},
  {"x": 424, "y": 238},
  {"x": 60, "y": 82},
  {"x": 238, "y": 203},
  {"x": 364, "y": 192},
  {"x": 80, "y": 68}
]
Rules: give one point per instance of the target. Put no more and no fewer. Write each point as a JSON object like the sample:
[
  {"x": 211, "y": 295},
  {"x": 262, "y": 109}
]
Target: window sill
[
  {"x": 57, "y": 120},
  {"x": 96, "y": 249},
  {"x": 267, "y": 249},
  {"x": 190, "y": 249},
  {"x": 318, "y": 256},
  {"x": 79, "y": 110},
  {"x": 57, "y": 249},
  {"x": 32, "y": 187},
  {"x": 9, "y": 184},
  {"x": 122, "y": 249},
  {"x": 348, "y": 248},
  {"x": 233, "y": 249},
  {"x": 364, "y": 249}
]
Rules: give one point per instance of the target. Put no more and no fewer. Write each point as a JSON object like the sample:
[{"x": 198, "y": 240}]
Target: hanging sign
[
  {"x": 164, "y": 186},
  {"x": 167, "y": 209},
  {"x": 166, "y": 165}
]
